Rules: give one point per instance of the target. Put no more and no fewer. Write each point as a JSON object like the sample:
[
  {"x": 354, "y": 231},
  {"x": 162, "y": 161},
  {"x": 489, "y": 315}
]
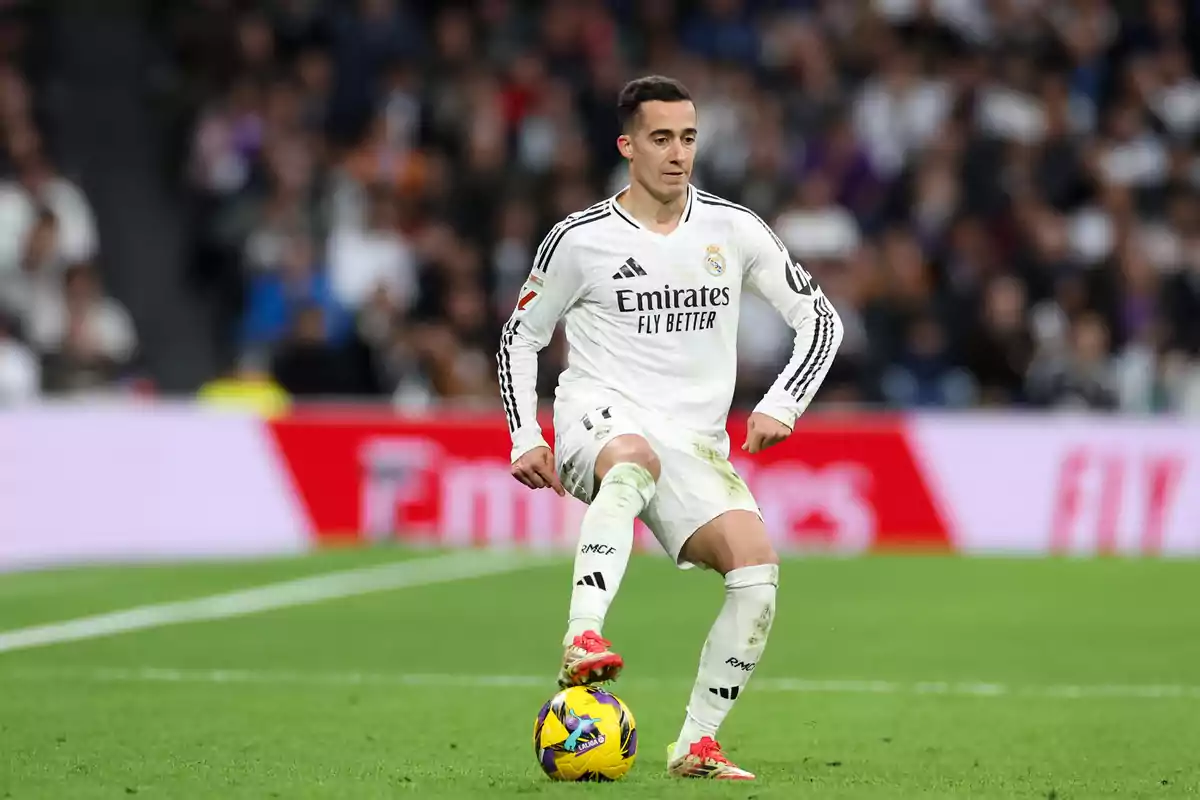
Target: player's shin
[
  {"x": 605, "y": 544},
  {"x": 734, "y": 646}
]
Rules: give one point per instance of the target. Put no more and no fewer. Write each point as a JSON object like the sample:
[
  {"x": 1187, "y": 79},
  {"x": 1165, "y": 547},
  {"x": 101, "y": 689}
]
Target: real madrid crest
[{"x": 714, "y": 260}]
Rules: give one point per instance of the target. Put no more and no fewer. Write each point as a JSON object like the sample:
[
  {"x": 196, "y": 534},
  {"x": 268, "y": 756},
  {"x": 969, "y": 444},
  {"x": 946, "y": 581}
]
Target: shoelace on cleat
[
  {"x": 708, "y": 749},
  {"x": 592, "y": 643}
]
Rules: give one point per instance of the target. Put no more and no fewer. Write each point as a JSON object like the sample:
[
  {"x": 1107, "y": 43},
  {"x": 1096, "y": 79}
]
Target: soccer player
[{"x": 648, "y": 285}]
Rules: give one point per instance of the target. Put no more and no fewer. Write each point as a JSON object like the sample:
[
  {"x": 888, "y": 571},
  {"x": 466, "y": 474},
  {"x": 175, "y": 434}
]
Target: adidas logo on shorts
[{"x": 595, "y": 579}]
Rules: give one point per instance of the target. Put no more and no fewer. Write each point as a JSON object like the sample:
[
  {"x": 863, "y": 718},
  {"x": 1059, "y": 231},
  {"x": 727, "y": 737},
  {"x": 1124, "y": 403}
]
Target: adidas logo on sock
[
  {"x": 595, "y": 579},
  {"x": 630, "y": 269},
  {"x": 728, "y": 693}
]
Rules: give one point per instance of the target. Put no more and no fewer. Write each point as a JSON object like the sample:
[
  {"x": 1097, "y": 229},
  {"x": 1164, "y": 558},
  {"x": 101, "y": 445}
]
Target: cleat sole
[{"x": 599, "y": 671}]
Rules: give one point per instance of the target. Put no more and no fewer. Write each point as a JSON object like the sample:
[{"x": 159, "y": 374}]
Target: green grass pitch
[{"x": 886, "y": 677}]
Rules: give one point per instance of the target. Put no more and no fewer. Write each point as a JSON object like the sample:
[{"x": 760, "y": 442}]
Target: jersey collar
[{"x": 620, "y": 211}]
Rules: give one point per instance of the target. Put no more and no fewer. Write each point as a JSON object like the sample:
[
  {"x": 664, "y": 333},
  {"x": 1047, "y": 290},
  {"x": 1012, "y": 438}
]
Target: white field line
[
  {"x": 774, "y": 685},
  {"x": 272, "y": 596}
]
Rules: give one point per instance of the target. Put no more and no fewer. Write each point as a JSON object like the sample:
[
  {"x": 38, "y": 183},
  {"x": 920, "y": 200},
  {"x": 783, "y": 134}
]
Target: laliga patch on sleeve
[{"x": 529, "y": 291}]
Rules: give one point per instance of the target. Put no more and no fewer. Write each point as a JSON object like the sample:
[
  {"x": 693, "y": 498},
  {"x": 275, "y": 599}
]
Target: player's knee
[
  {"x": 628, "y": 449},
  {"x": 751, "y": 554},
  {"x": 732, "y": 541},
  {"x": 762, "y": 555}
]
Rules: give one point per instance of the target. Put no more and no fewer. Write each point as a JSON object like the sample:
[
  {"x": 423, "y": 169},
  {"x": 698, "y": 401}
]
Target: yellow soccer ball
[{"x": 585, "y": 734}]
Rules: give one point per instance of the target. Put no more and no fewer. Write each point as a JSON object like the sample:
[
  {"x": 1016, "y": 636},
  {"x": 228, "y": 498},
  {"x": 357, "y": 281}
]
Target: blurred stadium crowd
[
  {"x": 58, "y": 329},
  {"x": 999, "y": 196}
]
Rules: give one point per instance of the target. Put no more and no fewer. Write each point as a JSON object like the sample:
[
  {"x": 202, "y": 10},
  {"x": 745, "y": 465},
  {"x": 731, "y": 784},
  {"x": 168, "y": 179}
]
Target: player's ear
[{"x": 625, "y": 145}]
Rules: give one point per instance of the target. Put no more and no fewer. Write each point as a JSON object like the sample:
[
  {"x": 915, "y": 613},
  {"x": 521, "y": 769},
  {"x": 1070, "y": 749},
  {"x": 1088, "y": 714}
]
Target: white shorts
[{"x": 697, "y": 483}]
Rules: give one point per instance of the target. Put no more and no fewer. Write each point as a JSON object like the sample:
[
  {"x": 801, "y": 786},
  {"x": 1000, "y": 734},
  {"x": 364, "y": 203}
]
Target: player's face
[{"x": 662, "y": 147}]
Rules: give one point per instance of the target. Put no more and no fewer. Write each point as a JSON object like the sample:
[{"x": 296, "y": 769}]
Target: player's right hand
[{"x": 536, "y": 470}]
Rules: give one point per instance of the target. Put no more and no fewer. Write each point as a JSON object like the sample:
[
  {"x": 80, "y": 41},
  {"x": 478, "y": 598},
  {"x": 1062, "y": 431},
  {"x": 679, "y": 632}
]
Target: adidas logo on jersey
[{"x": 630, "y": 269}]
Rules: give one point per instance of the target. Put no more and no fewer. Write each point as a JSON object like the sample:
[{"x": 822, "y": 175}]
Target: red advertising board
[{"x": 834, "y": 485}]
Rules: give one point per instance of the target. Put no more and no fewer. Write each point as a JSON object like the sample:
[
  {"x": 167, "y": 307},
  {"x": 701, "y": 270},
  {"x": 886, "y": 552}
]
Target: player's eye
[
  {"x": 660, "y": 140},
  {"x": 689, "y": 140}
]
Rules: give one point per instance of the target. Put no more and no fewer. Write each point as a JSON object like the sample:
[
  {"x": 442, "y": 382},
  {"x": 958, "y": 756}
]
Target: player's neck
[{"x": 660, "y": 216}]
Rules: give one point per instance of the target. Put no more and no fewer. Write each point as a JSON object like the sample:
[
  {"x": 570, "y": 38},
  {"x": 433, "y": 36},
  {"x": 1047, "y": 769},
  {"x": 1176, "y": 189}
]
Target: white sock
[
  {"x": 605, "y": 544},
  {"x": 734, "y": 645}
]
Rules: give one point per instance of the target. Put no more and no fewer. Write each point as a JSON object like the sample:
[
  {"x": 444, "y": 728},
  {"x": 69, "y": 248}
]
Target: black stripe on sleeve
[
  {"x": 823, "y": 329},
  {"x": 808, "y": 371},
  {"x": 555, "y": 236},
  {"x": 541, "y": 249},
  {"x": 501, "y": 380},
  {"x": 506, "y": 381},
  {"x": 503, "y": 376},
  {"x": 822, "y": 357}
]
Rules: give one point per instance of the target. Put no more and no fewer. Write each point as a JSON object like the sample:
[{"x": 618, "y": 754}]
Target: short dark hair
[{"x": 643, "y": 90}]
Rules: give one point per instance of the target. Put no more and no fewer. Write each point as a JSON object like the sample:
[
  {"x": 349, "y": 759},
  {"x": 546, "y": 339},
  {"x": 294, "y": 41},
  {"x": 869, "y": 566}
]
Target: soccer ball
[{"x": 585, "y": 734}]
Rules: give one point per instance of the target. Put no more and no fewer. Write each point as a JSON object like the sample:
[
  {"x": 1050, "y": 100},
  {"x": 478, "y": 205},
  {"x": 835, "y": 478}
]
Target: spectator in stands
[
  {"x": 86, "y": 338},
  {"x": 367, "y": 35},
  {"x": 266, "y": 215},
  {"x": 1182, "y": 297},
  {"x": 923, "y": 374},
  {"x": 277, "y": 296},
  {"x": 39, "y": 186},
  {"x": 459, "y": 373},
  {"x": 373, "y": 257},
  {"x": 307, "y": 365},
  {"x": 1080, "y": 378},
  {"x": 20, "y": 374},
  {"x": 999, "y": 346},
  {"x": 839, "y": 156},
  {"x": 38, "y": 279},
  {"x": 512, "y": 253},
  {"x": 724, "y": 31},
  {"x": 814, "y": 227},
  {"x": 228, "y": 139},
  {"x": 247, "y": 387},
  {"x": 899, "y": 111}
]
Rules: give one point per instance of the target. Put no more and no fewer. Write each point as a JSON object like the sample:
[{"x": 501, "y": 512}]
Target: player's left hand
[{"x": 763, "y": 431}]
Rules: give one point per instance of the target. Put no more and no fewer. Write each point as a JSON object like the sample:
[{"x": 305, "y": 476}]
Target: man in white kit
[{"x": 648, "y": 285}]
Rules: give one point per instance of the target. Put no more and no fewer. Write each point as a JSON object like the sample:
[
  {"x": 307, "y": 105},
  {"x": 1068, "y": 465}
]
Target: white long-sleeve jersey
[{"x": 651, "y": 319}]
